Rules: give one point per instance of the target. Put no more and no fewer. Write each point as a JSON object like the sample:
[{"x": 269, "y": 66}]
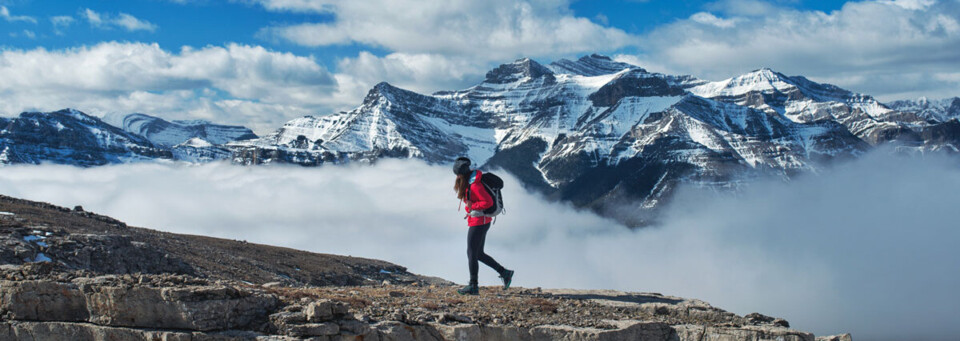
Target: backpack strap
[{"x": 475, "y": 177}]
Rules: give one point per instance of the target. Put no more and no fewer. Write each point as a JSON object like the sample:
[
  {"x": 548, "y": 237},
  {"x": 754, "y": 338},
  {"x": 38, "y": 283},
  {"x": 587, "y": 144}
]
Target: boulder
[
  {"x": 288, "y": 317},
  {"x": 203, "y": 308},
  {"x": 325, "y": 310},
  {"x": 399, "y": 331},
  {"x": 840, "y": 337},
  {"x": 312, "y": 329},
  {"x": 42, "y": 301},
  {"x": 699, "y": 332},
  {"x": 357, "y": 330},
  {"x": 466, "y": 331},
  {"x": 634, "y": 330}
]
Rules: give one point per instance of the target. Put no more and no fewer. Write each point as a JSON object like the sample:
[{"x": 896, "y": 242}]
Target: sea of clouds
[{"x": 869, "y": 247}]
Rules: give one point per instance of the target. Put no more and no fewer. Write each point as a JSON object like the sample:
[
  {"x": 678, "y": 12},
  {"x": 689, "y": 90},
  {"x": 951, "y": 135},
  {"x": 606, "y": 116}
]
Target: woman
[{"x": 471, "y": 192}]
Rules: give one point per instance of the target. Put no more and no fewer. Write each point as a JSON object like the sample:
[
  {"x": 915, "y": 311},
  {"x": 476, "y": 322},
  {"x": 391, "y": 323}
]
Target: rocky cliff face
[
  {"x": 74, "y": 275},
  {"x": 71, "y": 137},
  {"x": 168, "y": 134}
]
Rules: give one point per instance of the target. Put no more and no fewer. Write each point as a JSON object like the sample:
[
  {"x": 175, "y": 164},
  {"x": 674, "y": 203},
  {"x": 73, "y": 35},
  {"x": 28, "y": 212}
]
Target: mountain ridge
[
  {"x": 599, "y": 133},
  {"x": 578, "y": 123}
]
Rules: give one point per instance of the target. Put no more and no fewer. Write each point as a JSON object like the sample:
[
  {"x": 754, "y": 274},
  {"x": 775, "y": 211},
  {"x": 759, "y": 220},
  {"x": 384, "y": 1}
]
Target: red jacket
[{"x": 479, "y": 200}]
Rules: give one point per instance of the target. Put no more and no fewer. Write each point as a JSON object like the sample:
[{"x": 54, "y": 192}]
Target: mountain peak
[
  {"x": 378, "y": 91},
  {"x": 596, "y": 56},
  {"x": 76, "y": 114},
  {"x": 592, "y": 65},
  {"x": 519, "y": 69},
  {"x": 384, "y": 90},
  {"x": 764, "y": 79},
  {"x": 383, "y": 86},
  {"x": 763, "y": 75}
]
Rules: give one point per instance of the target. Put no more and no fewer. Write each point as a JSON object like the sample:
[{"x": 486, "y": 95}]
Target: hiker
[{"x": 471, "y": 192}]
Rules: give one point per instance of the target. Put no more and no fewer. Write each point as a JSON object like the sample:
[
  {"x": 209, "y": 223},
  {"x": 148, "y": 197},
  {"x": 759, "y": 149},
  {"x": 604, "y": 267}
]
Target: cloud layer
[
  {"x": 439, "y": 44},
  {"x": 868, "y": 248},
  {"x": 891, "y": 49},
  {"x": 238, "y": 84},
  {"x": 497, "y": 29}
]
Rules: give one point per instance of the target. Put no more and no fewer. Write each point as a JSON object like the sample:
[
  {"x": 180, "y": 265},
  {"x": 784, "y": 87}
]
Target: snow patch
[
  {"x": 196, "y": 142},
  {"x": 33, "y": 238},
  {"x": 40, "y": 258}
]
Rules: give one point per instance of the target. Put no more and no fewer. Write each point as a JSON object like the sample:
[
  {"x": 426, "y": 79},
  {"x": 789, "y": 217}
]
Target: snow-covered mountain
[
  {"x": 168, "y": 134},
  {"x": 803, "y": 101},
  {"x": 197, "y": 150},
  {"x": 598, "y": 133},
  {"x": 926, "y": 110},
  {"x": 391, "y": 122},
  {"x": 595, "y": 132},
  {"x": 71, "y": 137}
]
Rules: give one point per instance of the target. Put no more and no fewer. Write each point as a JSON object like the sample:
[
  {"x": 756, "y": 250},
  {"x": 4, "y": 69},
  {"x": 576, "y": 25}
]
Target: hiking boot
[
  {"x": 471, "y": 289},
  {"x": 506, "y": 276}
]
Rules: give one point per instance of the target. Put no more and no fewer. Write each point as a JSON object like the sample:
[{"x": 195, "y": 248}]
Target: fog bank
[{"x": 869, "y": 247}]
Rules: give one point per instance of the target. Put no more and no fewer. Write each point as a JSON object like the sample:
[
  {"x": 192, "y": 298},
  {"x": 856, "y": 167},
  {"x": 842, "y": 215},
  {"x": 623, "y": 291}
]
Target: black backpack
[{"x": 493, "y": 184}]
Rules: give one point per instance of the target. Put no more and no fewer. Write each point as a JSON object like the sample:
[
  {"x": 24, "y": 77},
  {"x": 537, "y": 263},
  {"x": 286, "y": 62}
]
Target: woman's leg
[
  {"x": 473, "y": 245},
  {"x": 477, "y": 238}
]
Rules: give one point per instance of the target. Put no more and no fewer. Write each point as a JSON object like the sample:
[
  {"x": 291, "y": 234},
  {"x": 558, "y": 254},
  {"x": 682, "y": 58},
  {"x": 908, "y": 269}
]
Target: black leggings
[{"x": 476, "y": 236}]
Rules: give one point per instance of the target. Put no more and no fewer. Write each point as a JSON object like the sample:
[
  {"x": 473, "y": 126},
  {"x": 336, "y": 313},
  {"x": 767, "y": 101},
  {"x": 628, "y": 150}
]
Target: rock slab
[{"x": 202, "y": 308}]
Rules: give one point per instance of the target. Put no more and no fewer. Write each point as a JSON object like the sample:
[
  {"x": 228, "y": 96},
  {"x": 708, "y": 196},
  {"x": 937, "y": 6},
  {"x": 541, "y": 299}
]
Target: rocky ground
[{"x": 67, "y": 274}]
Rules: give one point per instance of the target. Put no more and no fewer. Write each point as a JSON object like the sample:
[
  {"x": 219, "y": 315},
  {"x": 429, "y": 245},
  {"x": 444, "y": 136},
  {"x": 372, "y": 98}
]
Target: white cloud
[
  {"x": 298, "y": 5},
  {"x": 60, "y": 23},
  {"x": 122, "y": 20},
  {"x": 212, "y": 82},
  {"x": 92, "y": 16},
  {"x": 5, "y": 14},
  {"x": 131, "y": 23},
  {"x": 603, "y": 19},
  {"x": 912, "y": 4},
  {"x": 440, "y": 44},
  {"x": 710, "y": 19},
  {"x": 423, "y": 73},
  {"x": 744, "y": 7},
  {"x": 487, "y": 30},
  {"x": 828, "y": 253},
  {"x": 236, "y": 84},
  {"x": 874, "y": 47}
]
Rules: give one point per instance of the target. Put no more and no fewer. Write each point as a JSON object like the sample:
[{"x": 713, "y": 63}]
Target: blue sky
[
  {"x": 262, "y": 62},
  {"x": 201, "y": 23}
]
